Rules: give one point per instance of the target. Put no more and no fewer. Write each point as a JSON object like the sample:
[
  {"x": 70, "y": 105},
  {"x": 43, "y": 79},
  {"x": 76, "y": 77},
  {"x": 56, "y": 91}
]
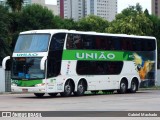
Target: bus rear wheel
[
  {"x": 39, "y": 95},
  {"x": 80, "y": 88},
  {"x": 134, "y": 86},
  {"x": 68, "y": 89},
  {"x": 52, "y": 94},
  {"x": 123, "y": 87}
]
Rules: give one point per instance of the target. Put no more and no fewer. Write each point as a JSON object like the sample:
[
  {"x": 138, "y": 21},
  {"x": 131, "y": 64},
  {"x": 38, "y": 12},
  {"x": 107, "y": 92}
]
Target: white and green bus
[{"x": 72, "y": 62}]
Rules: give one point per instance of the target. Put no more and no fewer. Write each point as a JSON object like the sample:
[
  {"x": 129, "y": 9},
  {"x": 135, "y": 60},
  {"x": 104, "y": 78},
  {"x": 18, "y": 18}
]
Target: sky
[{"x": 122, "y": 4}]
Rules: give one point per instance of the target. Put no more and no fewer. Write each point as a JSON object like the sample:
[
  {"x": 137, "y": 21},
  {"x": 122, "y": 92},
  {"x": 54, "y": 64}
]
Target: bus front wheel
[{"x": 39, "y": 95}]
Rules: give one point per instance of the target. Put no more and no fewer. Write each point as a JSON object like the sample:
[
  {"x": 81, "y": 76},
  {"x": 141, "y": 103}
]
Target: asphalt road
[{"x": 146, "y": 100}]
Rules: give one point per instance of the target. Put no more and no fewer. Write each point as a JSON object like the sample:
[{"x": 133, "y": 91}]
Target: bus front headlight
[
  {"x": 40, "y": 85},
  {"x": 13, "y": 84}
]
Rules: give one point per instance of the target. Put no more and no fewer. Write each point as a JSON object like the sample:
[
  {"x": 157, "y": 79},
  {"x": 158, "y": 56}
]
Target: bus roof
[{"x": 53, "y": 31}]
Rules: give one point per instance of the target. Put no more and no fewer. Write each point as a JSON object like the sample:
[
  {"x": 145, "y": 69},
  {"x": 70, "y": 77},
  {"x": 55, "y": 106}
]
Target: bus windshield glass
[
  {"x": 32, "y": 43},
  {"x": 27, "y": 68}
]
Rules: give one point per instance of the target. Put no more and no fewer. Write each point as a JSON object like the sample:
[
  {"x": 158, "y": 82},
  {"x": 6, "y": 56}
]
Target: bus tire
[
  {"x": 134, "y": 86},
  {"x": 80, "y": 88},
  {"x": 123, "y": 87},
  {"x": 52, "y": 94},
  {"x": 39, "y": 95},
  {"x": 68, "y": 89}
]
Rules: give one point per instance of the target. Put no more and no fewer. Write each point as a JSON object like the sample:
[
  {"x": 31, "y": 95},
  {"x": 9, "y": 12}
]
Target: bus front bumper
[{"x": 39, "y": 89}]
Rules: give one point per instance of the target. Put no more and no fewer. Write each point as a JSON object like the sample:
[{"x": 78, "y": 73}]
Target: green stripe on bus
[
  {"x": 97, "y": 55},
  {"x": 26, "y": 83}
]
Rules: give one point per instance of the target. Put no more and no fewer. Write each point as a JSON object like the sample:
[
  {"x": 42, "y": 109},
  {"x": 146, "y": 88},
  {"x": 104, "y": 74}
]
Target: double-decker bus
[{"x": 72, "y": 62}]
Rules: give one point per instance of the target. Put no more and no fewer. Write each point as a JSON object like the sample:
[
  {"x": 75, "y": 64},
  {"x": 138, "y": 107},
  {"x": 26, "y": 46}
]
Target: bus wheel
[
  {"x": 39, "y": 95},
  {"x": 68, "y": 89},
  {"x": 94, "y": 92},
  {"x": 123, "y": 87},
  {"x": 80, "y": 88},
  {"x": 52, "y": 94},
  {"x": 134, "y": 86}
]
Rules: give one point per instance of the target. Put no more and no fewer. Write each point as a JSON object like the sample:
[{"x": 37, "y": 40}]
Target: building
[
  {"x": 71, "y": 9},
  {"x": 77, "y": 9},
  {"x": 2, "y": 2},
  {"x": 64, "y": 8},
  {"x": 156, "y": 7},
  {"x": 53, "y": 8},
  {"x": 26, "y": 2},
  {"x": 106, "y": 9}
]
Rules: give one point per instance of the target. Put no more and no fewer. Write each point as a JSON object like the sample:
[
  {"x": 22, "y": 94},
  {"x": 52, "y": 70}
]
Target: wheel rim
[
  {"x": 68, "y": 89},
  {"x": 123, "y": 87},
  {"x": 134, "y": 87},
  {"x": 80, "y": 88}
]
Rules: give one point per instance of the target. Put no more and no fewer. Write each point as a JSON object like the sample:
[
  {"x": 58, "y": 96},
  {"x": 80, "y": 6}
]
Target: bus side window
[
  {"x": 129, "y": 45},
  {"x": 74, "y": 41},
  {"x": 88, "y": 42},
  {"x": 55, "y": 54},
  {"x": 69, "y": 44},
  {"x": 151, "y": 45},
  {"x": 124, "y": 44},
  {"x": 77, "y": 41},
  {"x": 114, "y": 68},
  {"x": 97, "y": 41},
  {"x": 57, "y": 42},
  {"x": 110, "y": 44},
  {"x": 116, "y": 42}
]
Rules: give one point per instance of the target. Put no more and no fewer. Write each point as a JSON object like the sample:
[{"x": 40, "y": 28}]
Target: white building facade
[
  {"x": 77, "y": 9},
  {"x": 74, "y": 9},
  {"x": 26, "y": 2},
  {"x": 3, "y": 2},
  {"x": 106, "y": 9},
  {"x": 64, "y": 8}
]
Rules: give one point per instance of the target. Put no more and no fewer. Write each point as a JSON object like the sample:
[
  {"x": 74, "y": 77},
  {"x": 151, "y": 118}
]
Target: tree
[
  {"x": 36, "y": 17},
  {"x": 156, "y": 32},
  {"x": 32, "y": 17},
  {"x": 92, "y": 23},
  {"x": 15, "y": 5},
  {"x": 69, "y": 24},
  {"x": 14, "y": 27},
  {"x": 131, "y": 21},
  {"x": 4, "y": 33},
  {"x": 146, "y": 12}
]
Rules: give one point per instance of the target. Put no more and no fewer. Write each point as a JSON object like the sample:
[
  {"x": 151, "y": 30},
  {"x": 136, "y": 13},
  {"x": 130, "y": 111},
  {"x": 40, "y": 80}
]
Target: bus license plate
[{"x": 24, "y": 90}]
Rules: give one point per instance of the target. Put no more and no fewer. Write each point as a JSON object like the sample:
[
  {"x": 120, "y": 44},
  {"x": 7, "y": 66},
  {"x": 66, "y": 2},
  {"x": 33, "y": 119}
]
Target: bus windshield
[
  {"x": 32, "y": 43},
  {"x": 27, "y": 68}
]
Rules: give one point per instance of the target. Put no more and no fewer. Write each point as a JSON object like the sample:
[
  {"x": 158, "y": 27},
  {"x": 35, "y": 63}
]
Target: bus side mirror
[
  {"x": 42, "y": 64},
  {"x": 5, "y": 61}
]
